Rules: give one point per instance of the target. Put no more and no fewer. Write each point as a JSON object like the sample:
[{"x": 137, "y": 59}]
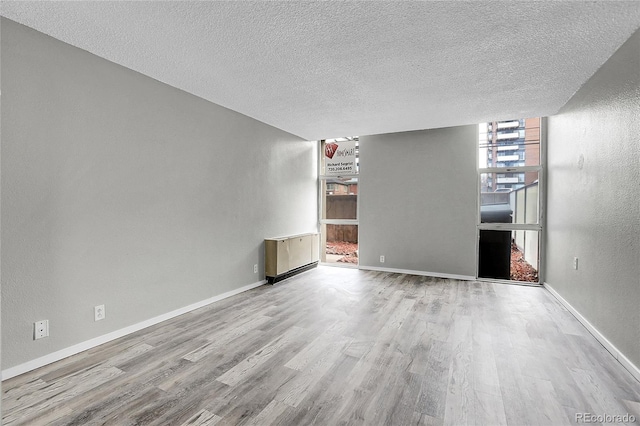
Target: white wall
[
  {"x": 120, "y": 190},
  {"x": 593, "y": 205},
  {"x": 418, "y": 201}
]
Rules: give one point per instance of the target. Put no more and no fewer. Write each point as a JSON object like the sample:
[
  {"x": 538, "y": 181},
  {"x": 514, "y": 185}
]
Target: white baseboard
[
  {"x": 622, "y": 359},
  {"x": 81, "y": 347},
  {"x": 423, "y": 273}
]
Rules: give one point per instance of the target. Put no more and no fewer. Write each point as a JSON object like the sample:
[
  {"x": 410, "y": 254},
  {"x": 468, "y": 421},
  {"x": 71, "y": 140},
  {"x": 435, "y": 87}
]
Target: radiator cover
[{"x": 286, "y": 256}]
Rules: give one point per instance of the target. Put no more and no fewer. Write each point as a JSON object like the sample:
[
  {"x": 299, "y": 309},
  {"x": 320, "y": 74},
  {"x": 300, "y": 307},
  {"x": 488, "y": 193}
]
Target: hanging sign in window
[{"x": 340, "y": 158}]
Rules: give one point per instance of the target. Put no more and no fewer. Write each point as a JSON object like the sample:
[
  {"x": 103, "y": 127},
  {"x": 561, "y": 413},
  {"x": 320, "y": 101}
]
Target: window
[
  {"x": 339, "y": 201},
  {"x": 510, "y": 210}
]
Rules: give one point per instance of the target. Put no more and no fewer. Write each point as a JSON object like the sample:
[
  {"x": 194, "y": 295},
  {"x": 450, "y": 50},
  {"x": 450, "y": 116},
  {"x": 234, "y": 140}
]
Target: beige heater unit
[{"x": 286, "y": 256}]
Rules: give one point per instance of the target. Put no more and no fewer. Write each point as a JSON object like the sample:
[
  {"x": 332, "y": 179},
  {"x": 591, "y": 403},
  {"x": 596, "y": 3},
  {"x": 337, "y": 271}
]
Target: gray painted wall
[
  {"x": 593, "y": 200},
  {"x": 120, "y": 190},
  {"x": 418, "y": 200}
]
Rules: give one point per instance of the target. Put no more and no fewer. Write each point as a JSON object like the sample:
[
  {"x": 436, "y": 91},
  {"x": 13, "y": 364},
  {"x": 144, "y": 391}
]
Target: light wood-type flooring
[{"x": 341, "y": 346}]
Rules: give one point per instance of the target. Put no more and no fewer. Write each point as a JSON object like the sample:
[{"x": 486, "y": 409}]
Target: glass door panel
[
  {"x": 513, "y": 202},
  {"x": 340, "y": 244},
  {"x": 340, "y": 198},
  {"x": 509, "y": 255},
  {"x": 511, "y": 143}
]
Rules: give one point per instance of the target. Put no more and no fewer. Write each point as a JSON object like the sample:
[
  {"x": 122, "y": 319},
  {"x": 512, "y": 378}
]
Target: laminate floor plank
[
  {"x": 202, "y": 418},
  {"x": 250, "y": 397},
  {"x": 554, "y": 413},
  {"x": 45, "y": 417},
  {"x": 351, "y": 390},
  {"x": 597, "y": 394},
  {"x": 261, "y": 356},
  {"x": 18, "y": 396},
  {"x": 296, "y": 390},
  {"x": 217, "y": 341},
  {"x": 401, "y": 410},
  {"x": 633, "y": 407},
  {"x": 269, "y": 414},
  {"x": 395, "y": 404},
  {"x": 56, "y": 395},
  {"x": 489, "y": 410},
  {"x": 324, "y": 398},
  {"x": 316, "y": 350},
  {"x": 433, "y": 390},
  {"x": 337, "y": 346},
  {"x": 460, "y": 396}
]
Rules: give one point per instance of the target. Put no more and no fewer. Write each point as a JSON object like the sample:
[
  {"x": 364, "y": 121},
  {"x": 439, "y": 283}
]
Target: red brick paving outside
[{"x": 349, "y": 251}]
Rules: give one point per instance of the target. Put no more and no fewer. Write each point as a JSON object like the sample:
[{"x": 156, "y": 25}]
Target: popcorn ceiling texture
[{"x": 329, "y": 69}]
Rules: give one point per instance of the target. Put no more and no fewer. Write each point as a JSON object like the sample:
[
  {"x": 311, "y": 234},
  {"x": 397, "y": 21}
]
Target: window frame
[
  {"x": 539, "y": 226},
  {"x": 322, "y": 221}
]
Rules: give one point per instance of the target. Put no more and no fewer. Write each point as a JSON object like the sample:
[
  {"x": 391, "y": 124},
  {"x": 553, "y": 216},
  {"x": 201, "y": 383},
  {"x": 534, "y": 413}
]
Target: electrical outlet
[
  {"x": 381, "y": 259},
  {"x": 40, "y": 329},
  {"x": 575, "y": 263},
  {"x": 99, "y": 313},
  {"x": 255, "y": 268}
]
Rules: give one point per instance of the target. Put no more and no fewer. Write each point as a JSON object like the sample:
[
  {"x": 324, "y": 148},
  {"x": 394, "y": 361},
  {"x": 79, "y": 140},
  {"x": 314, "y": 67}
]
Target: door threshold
[
  {"x": 499, "y": 281},
  {"x": 340, "y": 265}
]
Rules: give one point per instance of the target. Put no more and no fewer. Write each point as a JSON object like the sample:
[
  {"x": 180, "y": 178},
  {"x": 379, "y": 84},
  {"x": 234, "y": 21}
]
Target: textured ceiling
[{"x": 329, "y": 69}]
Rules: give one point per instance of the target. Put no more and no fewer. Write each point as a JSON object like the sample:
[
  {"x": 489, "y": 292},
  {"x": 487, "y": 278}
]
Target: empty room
[{"x": 318, "y": 212}]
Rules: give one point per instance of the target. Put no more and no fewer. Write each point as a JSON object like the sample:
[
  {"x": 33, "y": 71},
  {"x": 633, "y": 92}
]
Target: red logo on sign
[{"x": 330, "y": 149}]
